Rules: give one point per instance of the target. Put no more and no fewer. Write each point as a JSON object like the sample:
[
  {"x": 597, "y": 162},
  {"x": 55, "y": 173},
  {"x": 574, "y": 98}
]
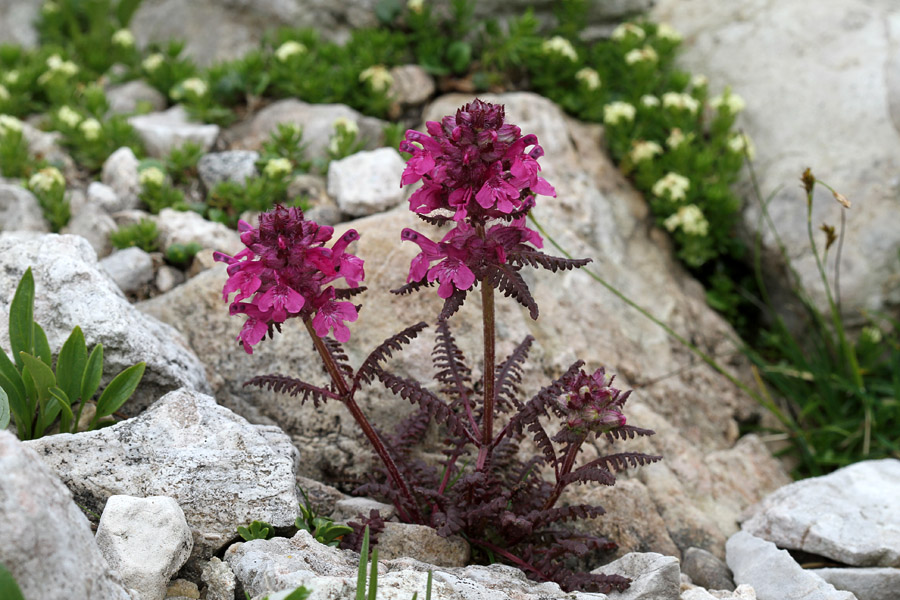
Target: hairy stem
[
  {"x": 568, "y": 463},
  {"x": 487, "y": 419},
  {"x": 347, "y": 398}
]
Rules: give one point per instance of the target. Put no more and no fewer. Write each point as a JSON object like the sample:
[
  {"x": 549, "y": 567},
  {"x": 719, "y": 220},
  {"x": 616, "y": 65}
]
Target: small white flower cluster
[
  {"x": 91, "y": 129},
  {"x": 560, "y": 45},
  {"x": 50, "y": 8},
  {"x": 681, "y": 102},
  {"x": 378, "y": 77},
  {"x": 644, "y": 150},
  {"x": 690, "y": 219},
  {"x": 289, "y": 50},
  {"x": 152, "y": 177},
  {"x": 11, "y": 77},
  {"x": 345, "y": 126},
  {"x": 153, "y": 62},
  {"x": 46, "y": 180},
  {"x": 871, "y": 334},
  {"x": 68, "y": 117},
  {"x": 123, "y": 38},
  {"x": 57, "y": 66},
  {"x": 665, "y": 31},
  {"x": 649, "y": 101},
  {"x": 4, "y": 94},
  {"x": 728, "y": 100},
  {"x": 645, "y": 54},
  {"x": 740, "y": 143},
  {"x": 616, "y": 112},
  {"x": 195, "y": 86},
  {"x": 699, "y": 81},
  {"x": 278, "y": 167},
  {"x": 589, "y": 77},
  {"x": 9, "y": 124},
  {"x": 673, "y": 185},
  {"x": 676, "y": 138},
  {"x": 626, "y": 29},
  {"x": 415, "y": 6}
]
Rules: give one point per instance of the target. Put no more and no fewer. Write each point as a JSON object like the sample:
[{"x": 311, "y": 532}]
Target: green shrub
[
  {"x": 181, "y": 255},
  {"x": 141, "y": 235},
  {"x": 49, "y": 187}
]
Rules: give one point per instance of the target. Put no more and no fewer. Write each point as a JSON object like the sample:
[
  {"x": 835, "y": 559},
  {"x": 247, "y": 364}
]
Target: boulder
[
  {"x": 72, "y": 289},
  {"x": 706, "y": 570},
  {"x": 19, "y": 210},
  {"x": 366, "y": 182},
  {"x": 164, "y": 131},
  {"x": 93, "y": 223},
  {"x": 653, "y": 576},
  {"x": 184, "y": 227},
  {"x": 16, "y": 22},
  {"x": 120, "y": 174},
  {"x": 233, "y": 165},
  {"x": 849, "y": 139},
  {"x": 129, "y": 97},
  {"x": 399, "y": 540},
  {"x": 222, "y": 471},
  {"x": 849, "y": 516},
  {"x": 131, "y": 268},
  {"x": 146, "y": 540},
  {"x": 874, "y": 583},
  {"x": 49, "y": 549},
  {"x": 411, "y": 85}
]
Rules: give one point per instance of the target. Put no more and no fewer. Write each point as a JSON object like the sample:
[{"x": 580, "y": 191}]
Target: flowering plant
[{"x": 480, "y": 175}]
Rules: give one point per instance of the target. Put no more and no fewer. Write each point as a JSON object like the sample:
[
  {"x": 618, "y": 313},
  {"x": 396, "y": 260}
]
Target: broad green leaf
[
  {"x": 11, "y": 383},
  {"x": 41, "y": 374},
  {"x": 41, "y": 345},
  {"x": 4, "y": 410},
  {"x": 65, "y": 406},
  {"x": 9, "y": 589},
  {"x": 119, "y": 390},
  {"x": 21, "y": 318},
  {"x": 301, "y": 593},
  {"x": 10, "y": 372},
  {"x": 31, "y": 399},
  {"x": 71, "y": 363},
  {"x": 49, "y": 411},
  {"x": 93, "y": 371}
]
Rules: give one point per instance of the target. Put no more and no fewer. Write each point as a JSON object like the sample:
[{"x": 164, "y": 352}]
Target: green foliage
[
  {"x": 15, "y": 160},
  {"x": 257, "y": 530},
  {"x": 181, "y": 255},
  {"x": 344, "y": 141},
  {"x": 323, "y": 529},
  {"x": 37, "y": 396},
  {"x": 49, "y": 187},
  {"x": 164, "y": 68},
  {"x": 142, "y": 235},
  {"x": 286, "y": 142},
  {"x": 9, "y": 588},
  {"x": 181, "y": 163},
  {"x": 361, "y": 580},
  {"x": 228, "y": 199},
  {"x": 156, "y": 191}
]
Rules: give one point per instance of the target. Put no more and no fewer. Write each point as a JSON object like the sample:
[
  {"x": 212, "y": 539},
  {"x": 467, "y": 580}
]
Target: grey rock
[
  {"x": 162, "y": 132},
  {"x": 872, "y": 583},
  {"x": 399, "y": 540},
  {"x": 741, "y": 592},
  {"x": 706, "y": 570},
  {"x": 366, "y": 182},
  {"x": 308, "y": 186},
  {"x": 46, "y": 145},
  {"x": 349, "y": 509},
  {"x": 183, "y": 589},
  {"x": 184, "y": 227},
  {"x": 16, "y": 22},
  {"x": 94, "y": 224},
  {"x": 754, "y": 47},
  {"x": 120, "y": 173},
  {"x": 773, "y": 574},
  {"x": 412, "y": 85},
  {"x": 267, "y": 566},
  {"x": 104, "y": 196},
  {"x": 653, "y": 576},
  {"x": 168, "y": 277},
  {"x": 128, "y": 97},
  {"x": 146, "y": 540},
  {"x": 233, "y": 165},
  {"x": 72, "y": 289},
  {"x": 130, "y": 268},
  {"x": 19, "y": 210},
  {"x": 219, "y": 579},
  {"x": 849, "y": 516},
  {"x": 317, "y": 121},
  {"x": 221, "y": 470},
  {"x": 52, "y": 555}
]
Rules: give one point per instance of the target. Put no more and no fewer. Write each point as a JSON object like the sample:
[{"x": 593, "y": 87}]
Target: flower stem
[
  {"x": 568, "y": 463},
  {"x": 347, "y": 398},
  {"x": 487, "y": 419}
]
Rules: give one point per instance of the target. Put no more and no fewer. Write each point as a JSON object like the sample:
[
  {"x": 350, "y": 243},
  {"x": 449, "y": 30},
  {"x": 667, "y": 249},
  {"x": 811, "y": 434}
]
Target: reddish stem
[
  {"x": 347, "y": 398},
  {"x": 511, "y": 558},
  {"x": 568, "y": 463},
  {"x": 487, "y": 419}
]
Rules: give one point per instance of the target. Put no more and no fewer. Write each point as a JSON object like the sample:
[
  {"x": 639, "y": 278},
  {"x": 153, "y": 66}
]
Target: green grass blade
[
  {"x": 363, "y": 562},
  {"x": 373, "y": 575},
  {"x": 21, "y": 318},
  {"x": 71, "y": 363},
  {"x": 428, "y": 586},
  {"x": 93, "y": 371},
  {"x": 119, "y": 390}
]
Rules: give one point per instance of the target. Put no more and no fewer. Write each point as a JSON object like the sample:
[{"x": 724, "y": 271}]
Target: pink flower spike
[
  {"x": 451, "y": 272},
  {"x": 244, "y": 280},
  {"x": 281, "y": 300},
  {"x": 332, "y": 315}
]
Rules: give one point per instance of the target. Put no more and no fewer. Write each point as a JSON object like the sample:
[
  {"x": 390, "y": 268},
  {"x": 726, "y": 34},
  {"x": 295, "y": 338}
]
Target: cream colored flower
[
  {"x": 57, "y": 65},
  {"x": 699, "y": 81},
  {"x": 289, "y": 49},
  {"x": 9, "y": 123},
  {"x": 741, "y": 142},
  {"x": 345, "y": 126},
  {"x": 123, "y": 38},
  {"x": 195, "y": 85},
  {"x": 278, "y": 167},
  {"x": 649, "y": 101},
  {"x": 676, "y": 138},
  {"x": 729, "y": 100},
  {"x": 681, "y": 102},
  {"x": 69, "y": 117},
  {"x": 415, "y": 6},
  {"x": 626, "y": 29},
  {"x": 153, "y": 62},
  {"x": 560, "y": 45},
  {"x": 50, "y": 8},
  {"x": 643, "y": 150},
  {"x": 378, "y": 77},
  {"x": 91, "y": 129},
  {"x": 673, "y": 185},
  {"x": 614, "y": 112},
  {"x": 589, "y": 77},
  {"x": 11, "y": 77},
  {"x": 152, "y": 176},
  {"x": 667, "y": 32},
  {"x": 872, "y": 334},
  {"x": 645, "y": 54},
  {"x": 46, "y": 179},
  {"x": 690, "y": 219},
  {"x": 4, "y": 94}
]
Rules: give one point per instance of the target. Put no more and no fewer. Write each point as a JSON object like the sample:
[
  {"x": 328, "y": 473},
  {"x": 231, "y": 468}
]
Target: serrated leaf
[
  {"x": 119, "y": 390},
  {"x": 21, "y": 318},
  {"x": 42, "y": 346},
  {"x": 93, "y": 371},
  {"x": 71, "y": 363}
]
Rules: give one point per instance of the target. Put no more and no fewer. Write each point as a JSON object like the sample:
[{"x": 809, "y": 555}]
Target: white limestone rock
[
  {"x": 128, "y": 97},
  {"x": 849, "y": 516},
  {"x": 867, "y": 583},
  {"x": 48, "y": 546},
  {"x": 653, "y": 576},
  {"x": 94, "y": 224},
  {"x": 219, "y": 579},
  {"x": 233, "y": 165},
  {"x": 131, "y": 268},
  {"x": 146, "y": 540},
  {"x": 120, "y": 174},
  {"x": 184, "y": 227},
  {"x": 164, "y": 131},
  {"x": 20, "y": 210},
  {"x": 366, "y": 182}
]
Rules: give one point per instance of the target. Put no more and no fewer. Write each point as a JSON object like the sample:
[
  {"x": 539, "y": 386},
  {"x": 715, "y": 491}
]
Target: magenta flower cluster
[
  {"x": 284, "y": 272},
  {"x": 477, "y": 167},
  {"x": 592, "y": 404}
]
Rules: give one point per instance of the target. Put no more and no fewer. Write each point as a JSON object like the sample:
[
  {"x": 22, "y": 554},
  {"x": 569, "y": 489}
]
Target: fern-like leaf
[
  {"x": 627, "y": 432},
  {"x": 539, "y": 518},
  {"x": 384, "y": 351},
  {"x": 412, "y": 286},
  {"x": 347, "y": 293},
  {"x": 536, "y": 259},
  {"x": 509, "y": 376},
  {"x": 621, "y": 461},
  {"x": 508, "y": 280},
  {"x": 339, "y": 356},
  {"x": 582, "y": 475},
  {"x": 452, "y": 304},
  {"x": 437, "y": 220},
  {"x": 450, "y": 364},
  {"x": 283, "y": 384}
]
